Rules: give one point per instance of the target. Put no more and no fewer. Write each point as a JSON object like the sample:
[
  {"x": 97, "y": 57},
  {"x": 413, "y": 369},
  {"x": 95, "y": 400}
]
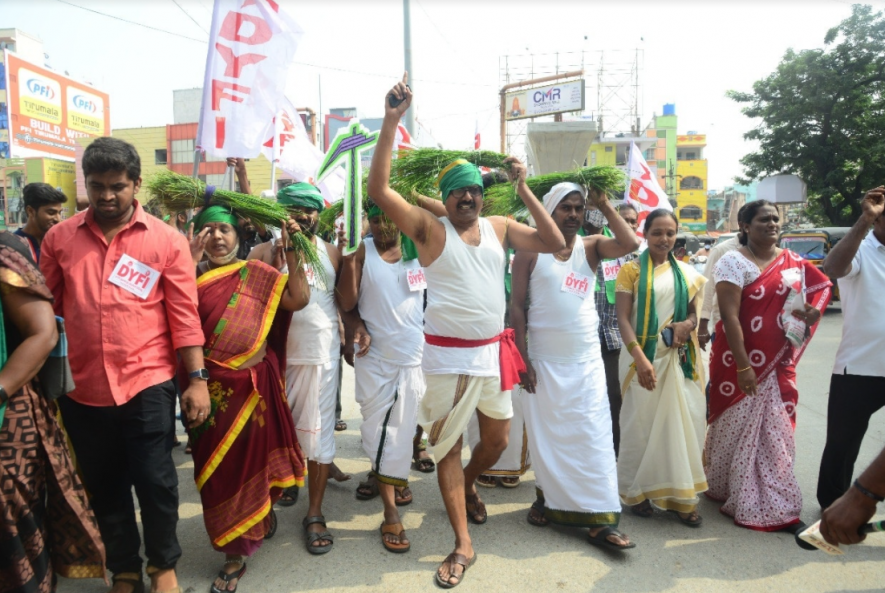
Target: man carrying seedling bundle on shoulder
[{"x": 468, "y": 357}]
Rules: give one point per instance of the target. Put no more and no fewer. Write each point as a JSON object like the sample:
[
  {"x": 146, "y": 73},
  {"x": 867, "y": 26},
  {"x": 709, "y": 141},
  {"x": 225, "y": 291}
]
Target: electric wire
[{"x": 187, "y": 14}]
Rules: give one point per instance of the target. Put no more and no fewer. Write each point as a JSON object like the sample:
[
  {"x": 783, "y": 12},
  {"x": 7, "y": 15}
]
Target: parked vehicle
[{"x": 814, "y": 245}]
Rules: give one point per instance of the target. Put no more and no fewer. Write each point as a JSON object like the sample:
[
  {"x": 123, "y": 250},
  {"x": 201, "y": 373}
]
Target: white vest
[
  {"x": 313, "y": 334},
  {"x": 562, "y": 326},
  {"x": 393, "y": 314},
  {"x": 465, "y": 299}
]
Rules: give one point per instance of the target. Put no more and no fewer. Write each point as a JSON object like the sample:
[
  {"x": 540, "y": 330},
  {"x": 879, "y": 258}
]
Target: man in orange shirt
[{"x": 125, "y": 284}]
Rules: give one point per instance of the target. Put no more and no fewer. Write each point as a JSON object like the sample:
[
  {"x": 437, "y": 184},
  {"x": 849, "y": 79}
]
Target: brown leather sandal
[
  {"x": 453, "y": 559},
  {"x": 397, "y": 530}
]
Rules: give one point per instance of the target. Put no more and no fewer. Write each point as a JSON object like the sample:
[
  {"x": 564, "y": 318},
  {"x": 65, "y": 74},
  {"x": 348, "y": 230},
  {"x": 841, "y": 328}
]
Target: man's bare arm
[
  {"x": 624, "y": 240},
  {"x": 418, "y": 224},
  {"x": 546, "y": 238},
  {"x": 838, "y": 262}
]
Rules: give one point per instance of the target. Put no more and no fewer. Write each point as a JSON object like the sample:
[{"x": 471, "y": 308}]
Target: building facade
[{"x": 691, "y": 176}]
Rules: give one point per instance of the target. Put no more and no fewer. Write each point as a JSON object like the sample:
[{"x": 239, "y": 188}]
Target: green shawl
[{"x": 647, "y": 317}]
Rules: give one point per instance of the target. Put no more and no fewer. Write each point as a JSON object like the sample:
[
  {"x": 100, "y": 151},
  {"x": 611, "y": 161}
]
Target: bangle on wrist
[
  {"x": 744, "y": 370},
  {"x": 631, "y": 345},
  {"x": 868, "y": 493}
]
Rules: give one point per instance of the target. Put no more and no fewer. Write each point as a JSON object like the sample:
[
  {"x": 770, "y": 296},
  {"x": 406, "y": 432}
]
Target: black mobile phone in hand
[
  {"x": 667, "y": 336},
  {"x": 394, "y": 102}
]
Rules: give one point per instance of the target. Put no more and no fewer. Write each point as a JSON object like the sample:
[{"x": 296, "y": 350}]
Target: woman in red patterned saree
[
  {"x": 750, "y": 447},
  {"x": 246, "y": 453}
]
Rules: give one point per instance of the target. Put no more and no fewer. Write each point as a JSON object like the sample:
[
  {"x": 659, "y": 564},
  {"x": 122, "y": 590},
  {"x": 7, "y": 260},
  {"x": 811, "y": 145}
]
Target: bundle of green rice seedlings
[
  {"x": 501, "y": 199},
  {"x": 331, "y": 213},
  {"x": 175, "y": 193},
  {"x": 417, "y": 170},
  {"x": 328, "y": 217}
]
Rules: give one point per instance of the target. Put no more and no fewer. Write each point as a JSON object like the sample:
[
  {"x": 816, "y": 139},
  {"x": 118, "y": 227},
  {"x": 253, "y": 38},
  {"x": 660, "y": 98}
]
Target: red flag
[{"x": 476, "y": 139}]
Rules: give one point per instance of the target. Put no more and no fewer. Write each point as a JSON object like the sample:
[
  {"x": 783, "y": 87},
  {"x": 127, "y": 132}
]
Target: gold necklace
[{"x": 756, "y": 261}]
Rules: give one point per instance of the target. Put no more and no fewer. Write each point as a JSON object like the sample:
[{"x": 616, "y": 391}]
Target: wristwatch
[{"x": 199, "y": 374}]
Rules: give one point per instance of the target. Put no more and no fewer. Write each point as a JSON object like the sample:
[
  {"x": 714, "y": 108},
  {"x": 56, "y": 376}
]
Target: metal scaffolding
[{"x": 612, "y": 76}]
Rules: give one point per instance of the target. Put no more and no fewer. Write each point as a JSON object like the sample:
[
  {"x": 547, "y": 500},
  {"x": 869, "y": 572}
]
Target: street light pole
[{"x": 407, "y": 46}]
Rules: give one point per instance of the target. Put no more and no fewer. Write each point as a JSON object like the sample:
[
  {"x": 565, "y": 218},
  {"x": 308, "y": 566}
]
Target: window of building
[
  {"x": 691, "y": 182},
  {"x": 650, "y": 154},
  {"x": 593, "y": 159},
  {"x": 691, "y": 213},
  {"x": 160, "y": 156},
  {"x": 609, "y": 148},
  {"x": 691, "y": 156},
  {"x": 183, "y": 151}
]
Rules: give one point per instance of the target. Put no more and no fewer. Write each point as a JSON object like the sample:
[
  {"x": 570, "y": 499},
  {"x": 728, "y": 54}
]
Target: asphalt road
[{"x": 515, "y": 556}]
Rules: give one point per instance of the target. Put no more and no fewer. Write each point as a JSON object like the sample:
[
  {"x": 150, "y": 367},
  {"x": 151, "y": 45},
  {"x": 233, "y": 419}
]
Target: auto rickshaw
[
  {"x": 814, "y": 245},
  {"x": 687, "y": 245}
]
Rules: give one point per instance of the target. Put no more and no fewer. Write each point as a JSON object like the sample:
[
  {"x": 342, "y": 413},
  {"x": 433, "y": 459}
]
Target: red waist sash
[{"x": 510, "y": 360}]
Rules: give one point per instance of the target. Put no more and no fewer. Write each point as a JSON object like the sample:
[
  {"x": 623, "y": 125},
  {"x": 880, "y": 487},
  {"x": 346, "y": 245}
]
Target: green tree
[{"x": 822, "y": 117}]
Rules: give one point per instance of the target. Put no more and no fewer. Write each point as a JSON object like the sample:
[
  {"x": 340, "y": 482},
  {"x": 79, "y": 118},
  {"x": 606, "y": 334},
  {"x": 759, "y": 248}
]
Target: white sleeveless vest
[{"x": 393, "y": 314}]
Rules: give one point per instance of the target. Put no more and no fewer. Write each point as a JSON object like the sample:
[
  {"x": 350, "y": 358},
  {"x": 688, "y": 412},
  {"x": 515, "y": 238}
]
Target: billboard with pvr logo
[
  {"x": 49, "y": 111},
  {"x": 545, "y": 100}
]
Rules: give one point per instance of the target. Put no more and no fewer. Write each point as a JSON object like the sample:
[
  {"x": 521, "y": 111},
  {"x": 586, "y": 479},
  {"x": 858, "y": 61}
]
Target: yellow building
[{"x": 691, "y": 175}]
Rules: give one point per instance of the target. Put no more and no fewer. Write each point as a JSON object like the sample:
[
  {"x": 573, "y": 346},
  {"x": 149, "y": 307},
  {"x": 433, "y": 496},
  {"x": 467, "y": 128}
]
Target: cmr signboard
[
  {"x": 545, "y": 100},
  {"x": 49, "y": 111}
]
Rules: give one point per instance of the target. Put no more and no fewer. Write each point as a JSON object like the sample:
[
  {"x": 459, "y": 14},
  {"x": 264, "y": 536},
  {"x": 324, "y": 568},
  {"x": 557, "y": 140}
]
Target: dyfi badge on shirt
[
  {"x": 416, "y": 279},
  {"x": 611, "y": 268},
  {"x": 576, "y": 284},
  {"x": 310, "y": 275},
  {"x": 133, "y": 276}
]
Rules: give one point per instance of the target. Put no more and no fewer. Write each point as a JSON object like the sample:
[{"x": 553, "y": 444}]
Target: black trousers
[
  {"x": 853, "y": 399},
  {"x": 613, "y": 384},
  {"x": 119, "y": 447}
]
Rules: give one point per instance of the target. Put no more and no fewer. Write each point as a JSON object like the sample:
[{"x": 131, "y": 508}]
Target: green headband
[
  {"x": 456, "y": 175},
  {"x": 301, "y": 194},
  {"x": 215, "y": 213},
  {"x": 372, "y": 208}
]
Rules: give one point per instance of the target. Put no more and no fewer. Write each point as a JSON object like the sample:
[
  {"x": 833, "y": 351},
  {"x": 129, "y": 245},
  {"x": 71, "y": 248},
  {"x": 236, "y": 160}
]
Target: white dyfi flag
[
  {"x": 296, "y": 155},
  {"x": 251, "y": 46},
  {"x": 643, "y": 191}
]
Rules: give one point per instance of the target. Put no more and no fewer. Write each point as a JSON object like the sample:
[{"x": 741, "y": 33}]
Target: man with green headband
[
  {"x": 388, "y": 289},
  {"x": 470, "y": 362},
  {"x": 313, "y": 355}
]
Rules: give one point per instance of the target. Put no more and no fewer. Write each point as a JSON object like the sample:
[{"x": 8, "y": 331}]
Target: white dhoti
[
  {"x": 451, "y": 400},
  {"x": 312, "y": 392},
  {"x": 568, "y": 421},
  {"x": 515, "y": 460},
  {"x": 388, "y": 395}
]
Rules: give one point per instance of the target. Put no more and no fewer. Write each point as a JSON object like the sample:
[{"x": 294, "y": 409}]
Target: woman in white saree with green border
[{"x": 663, "y": 417}]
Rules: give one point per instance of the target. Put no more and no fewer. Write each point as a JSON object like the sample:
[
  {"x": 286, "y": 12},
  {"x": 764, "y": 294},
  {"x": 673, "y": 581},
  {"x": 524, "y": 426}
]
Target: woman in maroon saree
[
  {"x": 246, "y": 453},
  {"x": 750, "y": 447}
]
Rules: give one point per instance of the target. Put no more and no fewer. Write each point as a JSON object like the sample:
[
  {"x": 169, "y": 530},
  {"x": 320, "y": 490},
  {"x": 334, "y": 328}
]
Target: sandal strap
[
  {"x": 455, "y": 558},
  {"x": 229, "y": 576},
  {"x": 392, "y": 529},
  {"x": 308, "y": 521},
  {"x": 312, "y": 537}
]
